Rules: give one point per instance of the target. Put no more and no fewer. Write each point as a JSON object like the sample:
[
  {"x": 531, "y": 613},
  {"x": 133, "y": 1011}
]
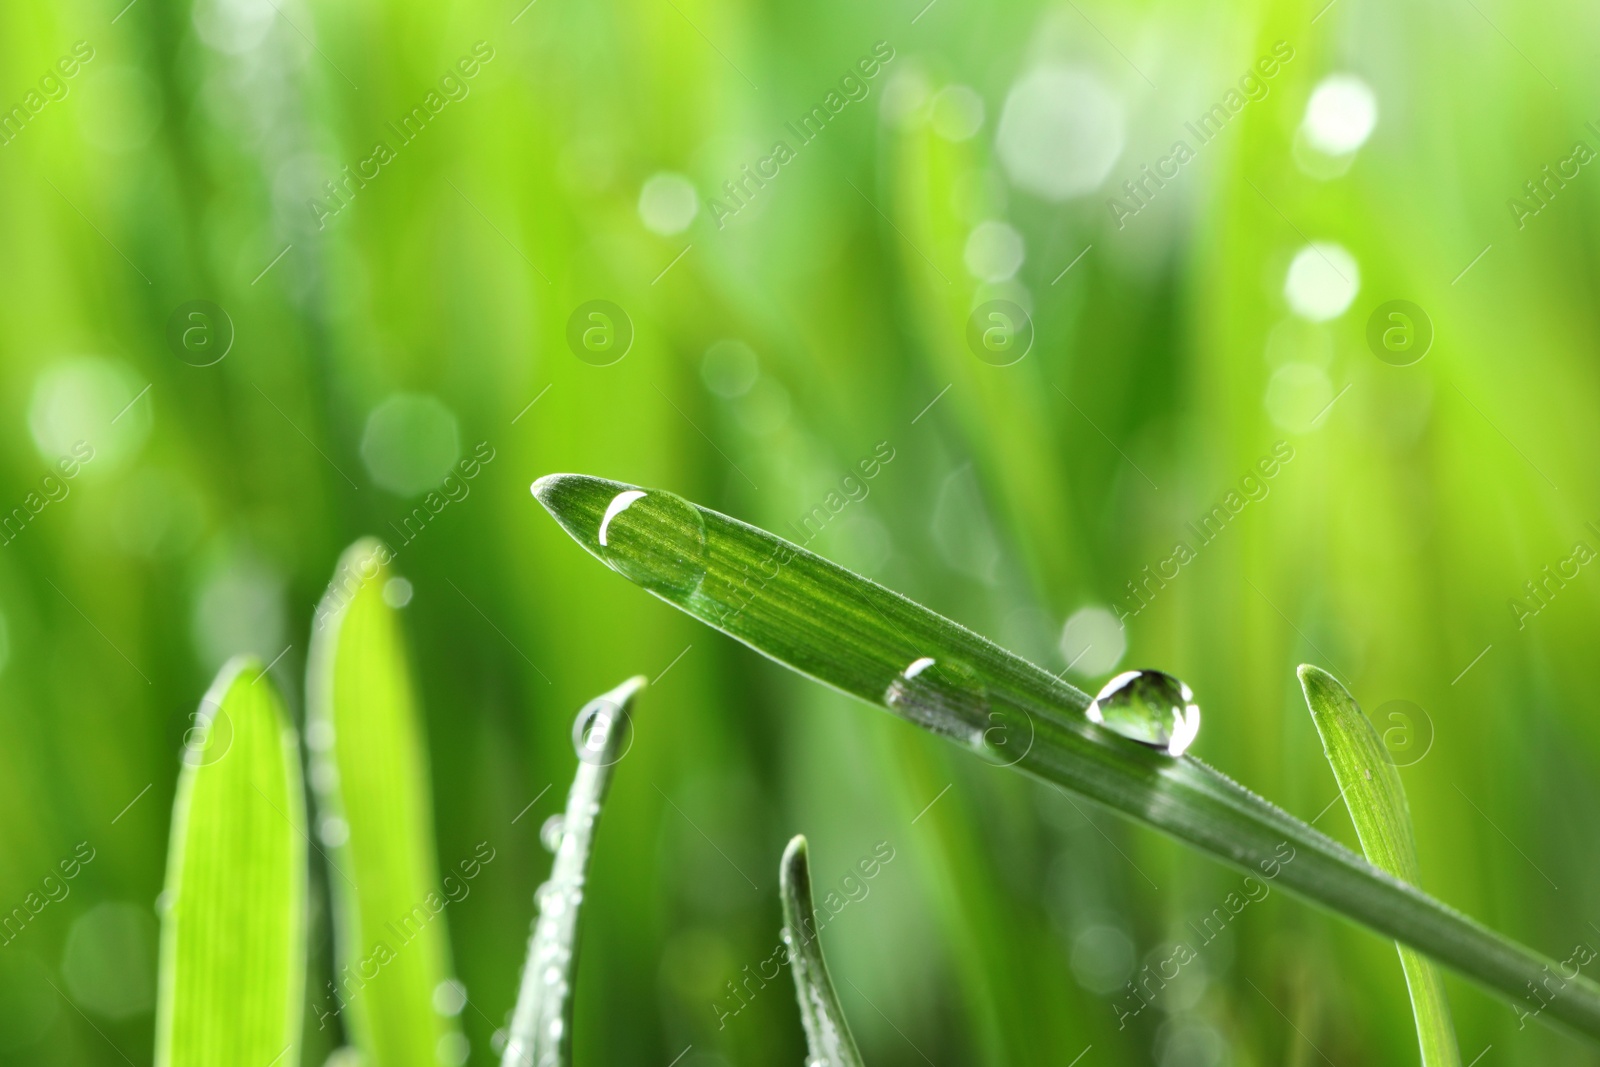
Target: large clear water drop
[
  {"x": 655, "y": 539},
  {"x": 1150, "y": 707},
  {"x": 944, "y": 696}
]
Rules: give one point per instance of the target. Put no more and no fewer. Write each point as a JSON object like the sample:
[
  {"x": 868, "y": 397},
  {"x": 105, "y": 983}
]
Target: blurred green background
[{"x": 776, "y": 339}]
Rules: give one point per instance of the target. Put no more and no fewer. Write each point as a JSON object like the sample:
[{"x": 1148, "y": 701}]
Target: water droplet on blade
[
  {"x": 593, "y": 730},
  {"x": 550, "y": 833},
  {"x": 655, "y": 539},
  {"x": 1150, "y": 707},
  {"x": 943, "y": 696}
]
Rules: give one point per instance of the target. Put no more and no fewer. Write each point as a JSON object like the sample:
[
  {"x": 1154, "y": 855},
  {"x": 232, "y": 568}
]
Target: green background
[{"x": 1166, "y": 362}]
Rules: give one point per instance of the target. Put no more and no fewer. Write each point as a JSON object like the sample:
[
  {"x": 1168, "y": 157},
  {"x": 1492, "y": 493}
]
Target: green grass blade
[
  {"x": 853, "y": 634},
  {"x": 541, "y": 1025},
  {"x": 370, "y": 774},
  {"x": 1372, "y": 792},
  {"x": 827, "y": 1033},
  {"x": 233, "y": 925}
]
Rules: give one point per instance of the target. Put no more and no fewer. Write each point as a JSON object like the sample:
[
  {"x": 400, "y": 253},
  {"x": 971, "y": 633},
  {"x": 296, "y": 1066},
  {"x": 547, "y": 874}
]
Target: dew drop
[
  {"x": 943, "y": 696},
  {"x": 592, "y": 735},
  {"x": 324, "y": 774},
  {"x": 452, "y": 1050},
  {"x": 397, "y": 592},
  {"x": 655, "y": 539},
  {"x": 550, "y": 832},
  {"x": 333, "y": 831},
  {"x": 319, "y": 735},
  {"x": 1150, "y": 707},
  {"x": 449, "y": 997}
]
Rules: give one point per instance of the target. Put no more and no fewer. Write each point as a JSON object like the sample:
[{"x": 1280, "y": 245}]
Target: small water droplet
[
  {"x": 943, "y": 696},
  {"x": 397, "y": 592},
  {"x": 319, "y": 735},
  {"x": 655, "y": 539},
  {"x": 452, "y": 1050},
  {"x": 550, "y": 832},
  {"x": 333, "y": 831},
  {"x": 449, "y": 997},
  {"x": 1150, "y": 707},
  {"x": 324, "y": 774},
  {"x": 1007, "y": 737},
  {"x": 592, "y": 731}
]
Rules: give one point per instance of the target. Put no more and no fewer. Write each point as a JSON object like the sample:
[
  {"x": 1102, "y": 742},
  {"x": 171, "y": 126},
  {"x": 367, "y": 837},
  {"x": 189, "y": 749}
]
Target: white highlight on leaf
[{"x": 618, "y": 505}]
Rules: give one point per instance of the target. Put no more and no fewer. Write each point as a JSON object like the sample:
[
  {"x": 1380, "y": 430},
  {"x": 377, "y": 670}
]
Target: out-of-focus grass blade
[
  {"x": 827, "y": 1033},
  {"x": 863, "y": 639},
  {"x": 233, "y": 925},
  {"x": 1372, "y": 791},
  {"x": 541, "y": 1026},
  {"x": 370, "y": 775}
]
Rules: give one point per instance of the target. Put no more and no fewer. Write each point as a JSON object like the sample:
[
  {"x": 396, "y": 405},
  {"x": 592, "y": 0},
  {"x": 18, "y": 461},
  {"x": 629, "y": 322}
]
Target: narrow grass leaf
[
  {"x": 855, "y": 635},
  {"x": 828, "y": 1036},
  {"x": 541, "y": 1025},
  {"x": 370, "y": 776},
  {"x": 1373, "y": 793},
  {"x": 233, "y": 924}
]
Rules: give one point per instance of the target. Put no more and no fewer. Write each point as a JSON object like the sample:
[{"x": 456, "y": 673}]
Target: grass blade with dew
[
  {"x": 1372, "y": 791},
  {"x": 541, "y": 1025},
  {"x": 852, "y": 634},
  {"x": 233, "y": 922},
  {"x": 827, "y": 1033},
  {"x": 370, "y": 775}
]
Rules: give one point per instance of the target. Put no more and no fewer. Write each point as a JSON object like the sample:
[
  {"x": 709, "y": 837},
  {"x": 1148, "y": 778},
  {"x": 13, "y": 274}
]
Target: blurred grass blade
[
  {"x": 855, "y": 635},
  {"x": 1372, "y": 791},
  {"x": 233, "y": 928},
  {"x": 827, "y": 1034},
  {"x": 371, "y": 779},
  {"x": 541, "y": 1026}
]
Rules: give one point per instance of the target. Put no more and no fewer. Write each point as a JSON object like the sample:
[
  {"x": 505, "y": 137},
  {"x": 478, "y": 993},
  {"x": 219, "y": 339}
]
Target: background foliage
[{"x": 426, "y": 315}]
